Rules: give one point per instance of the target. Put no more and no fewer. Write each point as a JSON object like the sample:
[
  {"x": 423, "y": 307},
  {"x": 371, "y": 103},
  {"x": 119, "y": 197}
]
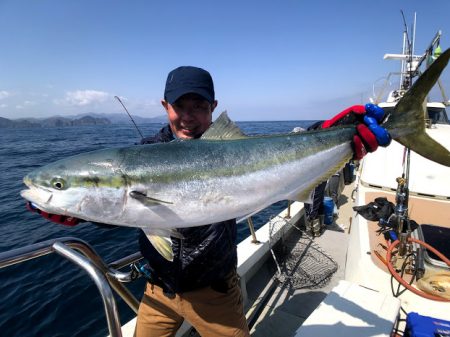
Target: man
[{"x": 200, "y": 284}]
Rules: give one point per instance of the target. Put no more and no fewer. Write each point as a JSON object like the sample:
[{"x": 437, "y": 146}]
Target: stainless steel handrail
[
  {"x": 103, "y": 275},
  {"x": 100, "y": 280},
  {"x": 126, "y": 261}
]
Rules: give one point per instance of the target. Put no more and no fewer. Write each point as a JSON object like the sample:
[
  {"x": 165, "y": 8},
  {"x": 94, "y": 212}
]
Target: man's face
[{"x": 189, "y": 116}]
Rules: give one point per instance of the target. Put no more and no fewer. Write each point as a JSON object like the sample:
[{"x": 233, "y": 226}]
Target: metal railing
[
  {"x": 104, "y": 276},
  {"x": 251, "y": 226}
]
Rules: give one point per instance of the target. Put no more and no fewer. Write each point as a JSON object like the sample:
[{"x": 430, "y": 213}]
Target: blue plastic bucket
[{"x": 328, "y": 210}]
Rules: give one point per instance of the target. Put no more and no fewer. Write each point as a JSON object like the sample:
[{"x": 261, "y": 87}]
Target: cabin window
[
  {"x": 435, "y": 115},
  {"x": 438, "y": 116}
]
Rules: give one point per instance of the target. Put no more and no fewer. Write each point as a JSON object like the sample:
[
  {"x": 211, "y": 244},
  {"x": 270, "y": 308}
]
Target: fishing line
[{"x": 117, "y": 97}]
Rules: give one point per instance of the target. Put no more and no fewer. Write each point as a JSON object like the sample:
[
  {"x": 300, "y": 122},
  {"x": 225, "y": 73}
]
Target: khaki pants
[{"x": 210, "y": 312}]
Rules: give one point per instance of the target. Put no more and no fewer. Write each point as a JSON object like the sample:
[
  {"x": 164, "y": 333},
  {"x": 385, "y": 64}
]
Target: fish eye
[{"x": 58, "y": 183}]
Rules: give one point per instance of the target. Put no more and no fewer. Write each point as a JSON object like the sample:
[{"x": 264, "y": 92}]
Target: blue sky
[{"x": 270, "y": 60}]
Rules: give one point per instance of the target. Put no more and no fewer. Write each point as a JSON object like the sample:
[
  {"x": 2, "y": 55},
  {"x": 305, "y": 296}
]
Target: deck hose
[{"x": 402, "y": 281}]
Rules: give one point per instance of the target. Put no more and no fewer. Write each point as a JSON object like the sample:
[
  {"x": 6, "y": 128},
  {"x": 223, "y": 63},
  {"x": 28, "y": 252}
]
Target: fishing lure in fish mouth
[{"x": 223, "y": 175}]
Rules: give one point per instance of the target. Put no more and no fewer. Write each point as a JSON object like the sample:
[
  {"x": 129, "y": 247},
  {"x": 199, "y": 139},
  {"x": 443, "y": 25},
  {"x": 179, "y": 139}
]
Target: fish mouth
[{"x": 38, "y": 196}]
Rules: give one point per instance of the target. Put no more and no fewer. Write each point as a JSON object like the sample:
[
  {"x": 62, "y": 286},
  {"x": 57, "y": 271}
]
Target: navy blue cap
[{"x": 186, "y": 80}]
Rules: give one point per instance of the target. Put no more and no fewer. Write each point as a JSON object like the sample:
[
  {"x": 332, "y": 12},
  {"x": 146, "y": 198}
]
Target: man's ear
[
  {"x": 165, "y": 104},
  {"x": 214, "y": 105}
]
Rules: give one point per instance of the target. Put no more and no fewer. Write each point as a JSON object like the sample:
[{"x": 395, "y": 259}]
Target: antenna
[{"x": 117, "y": 97}]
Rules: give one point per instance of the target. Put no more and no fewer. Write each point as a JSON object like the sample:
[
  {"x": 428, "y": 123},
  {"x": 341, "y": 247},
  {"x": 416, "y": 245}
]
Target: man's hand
[
  {"x": 59, "y": 219},
  {"x": 369, "y": 135},
  {"x": 62, "y": 219}
]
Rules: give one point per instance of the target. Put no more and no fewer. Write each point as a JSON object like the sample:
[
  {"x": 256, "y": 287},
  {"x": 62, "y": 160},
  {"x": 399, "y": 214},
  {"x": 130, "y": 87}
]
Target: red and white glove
[
  {"x": 56, "y": 218},
  {"x": 63, "y": 219},
  {"x": 369, "y": 134}
]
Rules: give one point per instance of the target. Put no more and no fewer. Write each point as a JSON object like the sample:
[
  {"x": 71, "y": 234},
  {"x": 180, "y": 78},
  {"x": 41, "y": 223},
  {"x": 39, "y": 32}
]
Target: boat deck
[
  {"x": 418, "y": 211},
  {"x": 274, "y": 310},
  {"x": 286, "y": 309}
]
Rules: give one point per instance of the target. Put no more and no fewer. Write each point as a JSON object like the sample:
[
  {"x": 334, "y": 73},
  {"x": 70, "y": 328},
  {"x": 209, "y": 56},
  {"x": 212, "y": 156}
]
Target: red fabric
[
  {"x": 358, "y": 148},
  {"x": 357, "y": 109},
  {"x": 59, "y": 219},
  {"x": 368, "y": 138},
  {"x": 62, "y": 220}
]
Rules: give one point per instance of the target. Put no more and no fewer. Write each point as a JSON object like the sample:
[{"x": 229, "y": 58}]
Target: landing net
[{"x": 301, "y": 262}]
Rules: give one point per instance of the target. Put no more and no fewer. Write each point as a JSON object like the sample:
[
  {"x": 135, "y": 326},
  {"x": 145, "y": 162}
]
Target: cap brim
[{"x": 172, "y": 97}]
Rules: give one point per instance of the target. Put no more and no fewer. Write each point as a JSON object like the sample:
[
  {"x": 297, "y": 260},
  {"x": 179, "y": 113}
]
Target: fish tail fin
[{"x": 406, "y": 123}]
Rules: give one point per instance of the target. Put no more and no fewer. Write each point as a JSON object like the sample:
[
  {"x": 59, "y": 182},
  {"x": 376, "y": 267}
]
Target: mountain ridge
[{"x": 77, "y": 120}]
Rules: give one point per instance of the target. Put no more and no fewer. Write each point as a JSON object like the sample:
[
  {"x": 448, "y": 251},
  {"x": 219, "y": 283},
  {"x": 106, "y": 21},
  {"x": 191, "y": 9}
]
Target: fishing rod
[
  {"x": 402, "y": 225},
  {"x": 409, "y": 62},
  {"x": 117, "y": 97}
]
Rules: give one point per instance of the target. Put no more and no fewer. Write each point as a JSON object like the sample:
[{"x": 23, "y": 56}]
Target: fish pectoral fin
[
  {"x": 161, "y": 241},
  {"x": 146, "y": 200}
]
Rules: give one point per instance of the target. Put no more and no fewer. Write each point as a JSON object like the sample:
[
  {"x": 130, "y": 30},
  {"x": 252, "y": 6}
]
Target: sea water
[{"x": 50, "y": 296}]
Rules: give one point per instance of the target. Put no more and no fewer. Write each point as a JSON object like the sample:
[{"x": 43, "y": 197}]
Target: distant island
[
  {"x": 51, "y": 122},
  {"x": 77, "y": 120}
]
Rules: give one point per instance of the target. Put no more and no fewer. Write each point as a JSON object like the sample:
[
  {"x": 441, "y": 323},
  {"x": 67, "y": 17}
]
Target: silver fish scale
[{"x": 205, "y": 159}]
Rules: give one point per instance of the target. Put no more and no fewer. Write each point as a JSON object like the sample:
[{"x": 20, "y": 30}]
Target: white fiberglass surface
[{"x": 382, "y": 167}]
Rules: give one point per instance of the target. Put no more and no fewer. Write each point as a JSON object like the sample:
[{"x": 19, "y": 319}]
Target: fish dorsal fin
[{"x": 223, "y": 128}]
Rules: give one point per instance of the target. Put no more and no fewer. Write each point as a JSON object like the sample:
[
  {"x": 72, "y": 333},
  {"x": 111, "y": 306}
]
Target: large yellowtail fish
[{"x": 221, "y": 176}]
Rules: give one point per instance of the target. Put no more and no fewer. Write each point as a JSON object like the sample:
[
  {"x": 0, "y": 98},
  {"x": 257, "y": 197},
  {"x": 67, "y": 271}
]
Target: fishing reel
[
  {"x": 398, "y": 225},
  {"x": 398, "y": 228},
  {"x": 401, "y": 221}
]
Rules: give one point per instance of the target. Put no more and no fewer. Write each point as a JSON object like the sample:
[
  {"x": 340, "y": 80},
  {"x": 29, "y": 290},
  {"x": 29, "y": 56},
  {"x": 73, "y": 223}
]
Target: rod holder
[{"x": 252, "y": 230}]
